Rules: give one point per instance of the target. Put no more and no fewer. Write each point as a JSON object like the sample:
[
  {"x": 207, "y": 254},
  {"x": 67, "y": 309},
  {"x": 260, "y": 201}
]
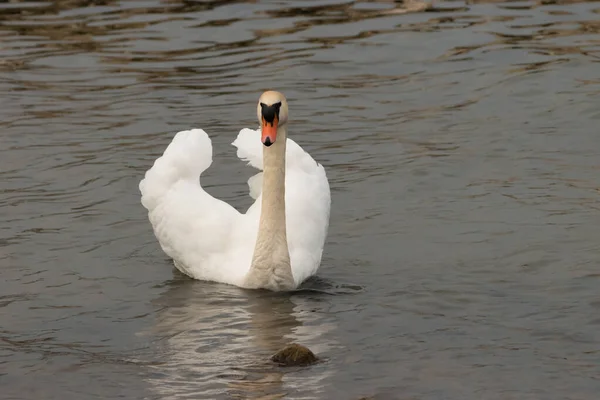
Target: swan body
[{"x": 277, "y": 243}]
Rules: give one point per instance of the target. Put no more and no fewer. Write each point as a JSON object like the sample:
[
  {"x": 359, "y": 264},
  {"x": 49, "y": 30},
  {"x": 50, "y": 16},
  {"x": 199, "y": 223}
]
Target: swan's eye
[{"x": 270, "y": 112}]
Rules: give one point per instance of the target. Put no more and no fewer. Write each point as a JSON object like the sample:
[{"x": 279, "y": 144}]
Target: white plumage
[{"x": 210, "y": 240}]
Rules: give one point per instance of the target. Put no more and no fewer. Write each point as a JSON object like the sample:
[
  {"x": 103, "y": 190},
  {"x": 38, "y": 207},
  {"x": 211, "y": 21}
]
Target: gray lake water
[{"x": 462, "y": 145}]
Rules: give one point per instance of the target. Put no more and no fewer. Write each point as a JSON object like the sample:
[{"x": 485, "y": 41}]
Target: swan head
[{"x": 272, "y": 112}]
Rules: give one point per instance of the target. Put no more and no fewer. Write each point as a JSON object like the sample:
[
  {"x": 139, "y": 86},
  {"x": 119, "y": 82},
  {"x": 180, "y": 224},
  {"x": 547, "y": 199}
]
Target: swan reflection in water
[{"x": 215, "y": 341}]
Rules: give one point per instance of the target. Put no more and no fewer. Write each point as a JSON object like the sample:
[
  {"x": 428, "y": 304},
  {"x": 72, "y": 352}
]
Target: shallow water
[{"x": 461, "y": 144}]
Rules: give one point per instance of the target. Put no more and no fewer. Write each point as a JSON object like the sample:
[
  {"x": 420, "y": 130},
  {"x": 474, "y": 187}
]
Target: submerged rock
[{"x": 294, "y": 355}]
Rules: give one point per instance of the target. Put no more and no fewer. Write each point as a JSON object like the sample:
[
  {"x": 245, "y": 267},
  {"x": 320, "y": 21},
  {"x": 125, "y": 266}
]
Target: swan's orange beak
[{"x": 269, "y": 131}]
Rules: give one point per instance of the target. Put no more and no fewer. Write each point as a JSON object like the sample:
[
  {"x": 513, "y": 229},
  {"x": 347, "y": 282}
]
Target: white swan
[{"x": 277, "y": 243}]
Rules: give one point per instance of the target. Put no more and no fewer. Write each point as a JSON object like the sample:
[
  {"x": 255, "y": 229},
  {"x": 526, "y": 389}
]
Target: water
[{"x": 461, "y": 144}]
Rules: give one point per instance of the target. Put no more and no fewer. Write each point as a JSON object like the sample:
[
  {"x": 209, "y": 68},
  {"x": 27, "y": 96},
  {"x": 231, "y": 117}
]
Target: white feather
[{"x": 207, "y": 238}]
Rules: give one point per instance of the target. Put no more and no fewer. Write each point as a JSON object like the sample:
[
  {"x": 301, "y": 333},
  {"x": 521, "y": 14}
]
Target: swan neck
[
  {"x": 271, "y": 266},
  {"x": 272, "y": 217}
]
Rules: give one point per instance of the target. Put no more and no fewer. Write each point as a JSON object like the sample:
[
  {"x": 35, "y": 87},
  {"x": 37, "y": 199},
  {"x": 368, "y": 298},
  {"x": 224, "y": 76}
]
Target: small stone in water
[{"x": 294, "y": 355}]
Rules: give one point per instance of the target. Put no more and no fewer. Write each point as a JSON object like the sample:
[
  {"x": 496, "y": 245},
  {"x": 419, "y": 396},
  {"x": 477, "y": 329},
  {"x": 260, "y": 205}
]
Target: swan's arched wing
[
  {"x": 307, "y": 197},
  {"x": 191, "y": 226},
  {"x": 255, "y": 185},
  {"x": 250, "y": 149},
  {"x": 308, "y": 203}
]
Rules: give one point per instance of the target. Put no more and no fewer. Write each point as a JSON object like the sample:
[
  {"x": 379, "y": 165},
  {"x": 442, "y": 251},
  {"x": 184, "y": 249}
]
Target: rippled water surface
[{"x": 462, "y": 145}]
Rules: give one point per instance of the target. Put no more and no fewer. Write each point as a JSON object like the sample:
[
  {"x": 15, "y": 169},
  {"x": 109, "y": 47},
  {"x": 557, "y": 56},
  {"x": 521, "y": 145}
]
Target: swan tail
[{"x": 187, "y": 156}]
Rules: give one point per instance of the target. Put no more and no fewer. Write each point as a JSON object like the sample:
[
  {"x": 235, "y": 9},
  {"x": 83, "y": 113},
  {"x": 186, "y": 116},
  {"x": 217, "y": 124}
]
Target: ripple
[
  {"x": 219, "y": 341},
  {"x": 459, "y": 141}
]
